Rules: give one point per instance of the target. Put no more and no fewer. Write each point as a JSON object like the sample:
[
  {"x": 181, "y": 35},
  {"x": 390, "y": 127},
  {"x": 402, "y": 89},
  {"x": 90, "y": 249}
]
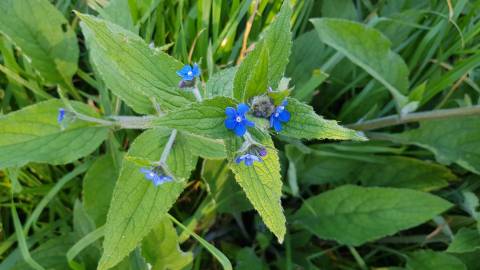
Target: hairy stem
[
  {"x": 168, "y": 147},
  {"x": 394, "y": 120}
]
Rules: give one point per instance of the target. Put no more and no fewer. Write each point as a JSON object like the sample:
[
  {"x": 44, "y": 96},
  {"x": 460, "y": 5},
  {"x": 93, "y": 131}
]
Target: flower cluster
[
  {"x": 236, "y": 119},
  {"x": 156, "y": 175},
  {"x": 254, "y": 153},
  {"x": 188, "y": 75}
]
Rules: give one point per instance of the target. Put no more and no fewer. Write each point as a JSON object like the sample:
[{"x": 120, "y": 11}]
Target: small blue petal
[
  {"x": 240, "y": 130},
  {"x": 230, "y": 123},
  {"x": 196, "y": 70},
  {"x": 284, "y": 116},
  {"x": 277, "y": 125},
  {"x": 242, "y": 109},
  {"x": 248, "y": 161},
  {"x": 230, "y": 112},
  {"x": 249, "y": 123},
  {"x": 61, "y": 115},
  {"x": 284, "y": 103}
]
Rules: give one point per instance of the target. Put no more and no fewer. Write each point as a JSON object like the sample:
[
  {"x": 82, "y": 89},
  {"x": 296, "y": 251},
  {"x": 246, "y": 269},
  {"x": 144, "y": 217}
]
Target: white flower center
[
  {"x": 151, "y": 174},
  {"x": 238, "y": 119},
  {"x": 190, "y": 73},
  {"x": 281, "y": 108},
  {"x": 277, "y": 114}
]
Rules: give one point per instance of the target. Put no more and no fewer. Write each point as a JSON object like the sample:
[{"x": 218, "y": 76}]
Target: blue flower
[
  {"x": 236, "y": 119},
  {"x": 248, "y": 159},
  {"x": 188, "y": 73},
  {"x": 280, "y": 115},
  {"x": 155, "y": 176},
  {"x": 61, "y": 115}
]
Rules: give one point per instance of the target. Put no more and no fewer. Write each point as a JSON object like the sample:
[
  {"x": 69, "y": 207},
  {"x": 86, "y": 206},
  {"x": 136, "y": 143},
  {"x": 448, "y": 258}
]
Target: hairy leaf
[
  {"x": 354, "y": 215},
  {"x": 261, "y": 182},
  {"x": 43, "y": 35},
  {"x": 132, "y": 70},
  {"x": 221, "y": 83},
  {"x": 278, "y": 41},
  {"x": 251, "y": 79},
  {"x": 34, "y": 135},
  {"x": 137, "y": 205},
  {"x": 205, "y": 118},
  {"x": 306, "y": 124}
]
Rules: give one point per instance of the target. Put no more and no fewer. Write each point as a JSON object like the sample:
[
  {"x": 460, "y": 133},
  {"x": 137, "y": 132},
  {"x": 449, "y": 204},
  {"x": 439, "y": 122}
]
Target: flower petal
[
  {"x": 240, "y": 129},
  {"x": 196, "y": 70},
  {"x": 242, "y": 109},
  {"x": 231, "y": 112},
  {"x": 248, "y": 161},
  {"x": 184, "y": 71},
  {"x": 230, "y": 123},
  {"x": 277, "y": 125},
  {"x": 284, "y": 116}
]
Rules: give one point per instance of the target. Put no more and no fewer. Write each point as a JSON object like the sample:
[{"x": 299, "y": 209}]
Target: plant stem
[
  {"x": 168, "y": 147},
  {"x": 361, "y": 263},
  {"x": 197, "y": 94},
  {"x": 394, "y": 120}
]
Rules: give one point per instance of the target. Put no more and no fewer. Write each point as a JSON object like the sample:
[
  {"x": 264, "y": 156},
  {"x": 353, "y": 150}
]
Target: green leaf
[
  {"x": 137, "y": 205},
  {"x": 369, "y": 49},
  {"x": 431, "y": 260},
  {"x": 354, "y": 215},
  {"x": 161, "y": 248},
  {"x": 132, "y": 70},
  {"x": 324, "y": 166},
  {"x": 204, "y": 147},
  {"x": 261, "y": 182},
  {"x": 98, "y": 185},
  {"x": 251, "y": 79},
  {"x": 466, "y": 240},
  {"x": 34, "y": 135},
  {"x": 205, "y": 118},
  {"x": 278, "y": 41},
  {"x": 221, "y": 83},
  {"x": 43, "y": 35},
  {"x": 451, "y": 140},
  {"x": 306, "y": 124}
]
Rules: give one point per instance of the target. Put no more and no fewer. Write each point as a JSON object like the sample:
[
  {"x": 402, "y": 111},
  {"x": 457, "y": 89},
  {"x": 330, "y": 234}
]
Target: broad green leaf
[
  {"x": 324, "y": 166},
  {"x": 251, "y": 78},
  {"x": 261, "y": 182},
  {"x": 132, "y": 70},
  {"x": 306, "y": 124},
  {"x": 137, "y": 206},
  {"x": 228, "y": 195},
  {"x": 466, "y": 240},
  {"x": 34, "y": 135},
  {"x": 43, "y": 35},
  {"x": 161, "y": 248},
  {"x": 204, "y": 147},
  {"x": 205, "y": 118},
  {"x": 221, "y": 83},
  {"x": 431, "y": 260},
  {"x": 278, "y": 41},
  {"x": 451, "y": 140},
  {"x": 98, "y": 185},
  {"x": 354, "y": 215},
  {"x": 369, "y": 49},
  {"x": 118, "y": 12}
]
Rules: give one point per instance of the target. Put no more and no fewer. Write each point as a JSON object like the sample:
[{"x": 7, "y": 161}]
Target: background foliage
[{"x": 405, "y": 73}]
